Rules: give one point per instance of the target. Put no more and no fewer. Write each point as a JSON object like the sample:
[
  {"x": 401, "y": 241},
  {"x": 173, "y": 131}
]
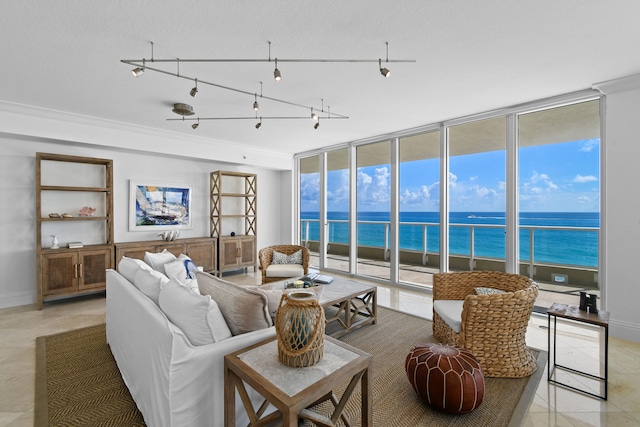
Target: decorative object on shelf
[
  {"x": 75, "y": 245},
  {"x": 86, "y": 211},
  {"x": 447, "y": 378},
  {"x": 169, "y": 235},
  {"x": 300, "y": 324},
  {"x": 233, "y": 233},
  {"x": 67, "y": 215},
  {"x": 157, "y": 205},
  {"x": 54, "y": 215},
  {"x": 54, "y": 241}
]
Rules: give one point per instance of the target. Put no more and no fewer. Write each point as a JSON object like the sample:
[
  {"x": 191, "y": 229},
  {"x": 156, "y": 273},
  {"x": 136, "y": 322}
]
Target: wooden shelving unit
[
  {"x": 66, "y": 272},
  {"x": 234, "y": 210}
]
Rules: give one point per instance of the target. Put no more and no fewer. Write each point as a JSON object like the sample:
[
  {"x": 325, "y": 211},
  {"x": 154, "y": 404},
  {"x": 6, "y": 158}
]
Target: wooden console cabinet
[
  {"x": 201, "y": 250},
  {"x": 237, "y": 252},
  {"x": 65, "y": 185}
]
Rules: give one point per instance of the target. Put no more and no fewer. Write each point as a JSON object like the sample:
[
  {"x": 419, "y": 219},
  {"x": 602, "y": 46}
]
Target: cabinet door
[
  {"x": 247, "y": 251},
  {"x": 228, "y": 253},
  {"x": 59, "y": 273},
  {"x": 203, "y": 254},
  {"x": 92, "y": 270}
]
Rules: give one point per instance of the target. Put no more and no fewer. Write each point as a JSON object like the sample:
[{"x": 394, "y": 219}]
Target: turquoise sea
[{"x": 557, "y": 246}]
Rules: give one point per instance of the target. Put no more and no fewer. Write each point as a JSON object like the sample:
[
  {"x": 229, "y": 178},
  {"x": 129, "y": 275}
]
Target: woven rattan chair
[
  {"x": 493, "y": 326},
  {"x": 266, "y": 256}
]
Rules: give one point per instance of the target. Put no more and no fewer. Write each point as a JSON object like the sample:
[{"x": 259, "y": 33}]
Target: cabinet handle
[
  {"x": 75, "y": 271},
  {"x": 81, "y": 270}
]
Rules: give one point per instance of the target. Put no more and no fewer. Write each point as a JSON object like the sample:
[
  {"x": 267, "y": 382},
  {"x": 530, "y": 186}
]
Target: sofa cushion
[
  {"x": 198, "y": 316},
  {"x": 284, "y": 270},
  {"x": 450, "y": 311},
  {"x": 149, "y": 282},
  {"x": 158, "y": 260},
  {"x": 280, "y": 258},
  {"x": 184, "y": 271},
  {"x": 128, "y": 267},
  {"x": 244, "y": 309}
]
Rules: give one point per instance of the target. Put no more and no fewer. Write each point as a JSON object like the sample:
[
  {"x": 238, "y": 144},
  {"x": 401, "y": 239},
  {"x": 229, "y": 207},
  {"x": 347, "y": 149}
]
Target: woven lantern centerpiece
[{"x": 300, "y": 326}]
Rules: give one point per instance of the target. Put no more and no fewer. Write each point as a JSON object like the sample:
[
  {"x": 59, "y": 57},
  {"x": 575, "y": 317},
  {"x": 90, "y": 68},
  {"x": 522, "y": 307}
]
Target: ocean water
[{"x": 551, "y": 245}]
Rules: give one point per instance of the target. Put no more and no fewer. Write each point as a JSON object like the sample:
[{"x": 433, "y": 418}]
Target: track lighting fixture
[
  {"x": 276, "y": 73},
  {"x": 256, "y": 107},
  {"x": 259, "y": 123},
  {"x": 314, "y": 116},
  {"x": 384, "y": 71},
  {"x": 317, "y": 124},
  {"x": 195, "y": 125},
  {"x": 194, "y": 90},
  {"x": 183, "y": 109}
]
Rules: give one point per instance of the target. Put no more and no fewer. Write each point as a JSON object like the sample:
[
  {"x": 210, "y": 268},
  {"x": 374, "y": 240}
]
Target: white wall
[
  {"x": 621, "y": 213},
  {"x": 17, "y": 201}
]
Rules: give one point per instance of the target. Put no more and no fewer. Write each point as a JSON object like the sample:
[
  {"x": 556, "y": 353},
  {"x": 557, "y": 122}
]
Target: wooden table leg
[
  {"x": 229, "y": 398},
  {"x": 367, "y": 398}
]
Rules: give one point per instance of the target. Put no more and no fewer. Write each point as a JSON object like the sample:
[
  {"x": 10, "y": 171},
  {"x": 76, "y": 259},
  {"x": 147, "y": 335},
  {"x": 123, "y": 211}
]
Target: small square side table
[
  {"x": 572, "y": 312},
  {"x": 294, "y": 390}
]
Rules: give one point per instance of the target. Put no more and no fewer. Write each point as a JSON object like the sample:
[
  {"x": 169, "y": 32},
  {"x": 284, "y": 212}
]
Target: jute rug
[{"x": 78, "y": 382}]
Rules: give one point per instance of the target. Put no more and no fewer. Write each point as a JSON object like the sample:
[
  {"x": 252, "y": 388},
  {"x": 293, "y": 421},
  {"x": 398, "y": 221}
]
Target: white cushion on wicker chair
[
  {"x": 450, "y": 311},
  {"x": 285, "y": 270}
]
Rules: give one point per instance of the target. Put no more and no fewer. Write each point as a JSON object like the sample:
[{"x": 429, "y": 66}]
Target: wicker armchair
[
  {"x": 493, "y": 326},
  {"x": 266, "y": 255}
]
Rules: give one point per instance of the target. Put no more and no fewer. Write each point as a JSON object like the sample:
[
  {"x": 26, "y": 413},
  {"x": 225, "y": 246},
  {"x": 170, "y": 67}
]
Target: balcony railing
[{"x": 558, "y": 255}]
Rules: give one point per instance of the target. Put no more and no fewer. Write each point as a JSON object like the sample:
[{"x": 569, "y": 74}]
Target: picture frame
[{"x": 155, "y": 205}]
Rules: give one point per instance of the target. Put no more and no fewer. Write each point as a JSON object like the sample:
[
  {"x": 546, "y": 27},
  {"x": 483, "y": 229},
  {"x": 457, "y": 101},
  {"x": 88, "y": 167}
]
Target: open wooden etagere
[
  {"x": 238, "y": 251},
  {"x": 65, "y": 272}
]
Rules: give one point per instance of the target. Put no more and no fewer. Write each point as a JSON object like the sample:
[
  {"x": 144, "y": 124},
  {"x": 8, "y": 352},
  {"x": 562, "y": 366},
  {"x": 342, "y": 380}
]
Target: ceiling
[{"x": 471, "y": 57}]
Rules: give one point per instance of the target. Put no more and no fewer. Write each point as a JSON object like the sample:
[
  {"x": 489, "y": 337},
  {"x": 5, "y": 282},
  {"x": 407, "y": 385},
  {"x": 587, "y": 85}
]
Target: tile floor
[{"x": 553, "y": 405}]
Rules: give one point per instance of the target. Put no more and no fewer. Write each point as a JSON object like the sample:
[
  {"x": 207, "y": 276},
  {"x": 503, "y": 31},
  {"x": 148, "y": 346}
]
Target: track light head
[
  {"x": 195, "y": 125},
  {"x": 384, "y": 71},
  {"x": 276, "y": 73},
  {"x": 137, "y": 72},
  {"x": 194, "y": 90},
  {"x": 314, "y": 116},
  {"x": 316, "y": 125},
  {"x": 258, "y": 125}
]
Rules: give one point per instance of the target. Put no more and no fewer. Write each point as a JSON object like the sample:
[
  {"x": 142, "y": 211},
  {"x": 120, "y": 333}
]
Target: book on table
[{"x": 318, "y": 278}]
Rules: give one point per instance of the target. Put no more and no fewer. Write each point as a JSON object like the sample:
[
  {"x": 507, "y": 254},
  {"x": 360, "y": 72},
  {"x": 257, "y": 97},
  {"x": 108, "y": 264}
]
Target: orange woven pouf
[{"x": 447, "y": 378}]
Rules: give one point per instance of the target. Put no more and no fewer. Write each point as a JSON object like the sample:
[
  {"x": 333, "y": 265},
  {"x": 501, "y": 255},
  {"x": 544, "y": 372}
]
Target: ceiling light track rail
[{"x": 205, "y": 82}]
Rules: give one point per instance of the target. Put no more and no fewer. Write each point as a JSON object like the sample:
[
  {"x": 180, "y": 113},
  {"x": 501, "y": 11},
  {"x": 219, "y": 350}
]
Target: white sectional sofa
[{"x": 173, "y": 382}]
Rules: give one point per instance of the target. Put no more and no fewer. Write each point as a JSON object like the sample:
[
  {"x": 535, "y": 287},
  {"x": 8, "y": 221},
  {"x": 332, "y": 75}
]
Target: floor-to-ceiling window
[
  {"x": 527, "y": 178},
  {"x": 373, "y": 208},
  {"x": 309, "y": 204},
  {"x": 559, "y": 198},
  {"x": 419, "y": 207},
  {"x": 477, "y": 206},
  {"x": 338, "y": 210}
]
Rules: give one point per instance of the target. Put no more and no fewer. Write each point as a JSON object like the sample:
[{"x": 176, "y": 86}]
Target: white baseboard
[
  {"x": 17, "y": 298},
  {"x": 624, "y": 330}
]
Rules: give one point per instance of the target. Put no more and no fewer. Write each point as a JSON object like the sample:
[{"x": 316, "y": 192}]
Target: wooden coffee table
[
  {"x": 349, "y": 304},
  {"x": 293, "y": 391}
]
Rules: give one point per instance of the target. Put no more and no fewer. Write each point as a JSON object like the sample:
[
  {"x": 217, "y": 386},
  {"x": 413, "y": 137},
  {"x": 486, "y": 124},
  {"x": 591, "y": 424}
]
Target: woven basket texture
[
  {"x": 266, "y": 255},
  {"x": 493, "y": 326}
]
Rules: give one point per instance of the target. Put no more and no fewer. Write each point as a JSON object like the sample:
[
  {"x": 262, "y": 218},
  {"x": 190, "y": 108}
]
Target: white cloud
[
  {"x": 590, "y": 145},
  {"x": 580, "y": 179},
  {"x": 538, "y": 183}
]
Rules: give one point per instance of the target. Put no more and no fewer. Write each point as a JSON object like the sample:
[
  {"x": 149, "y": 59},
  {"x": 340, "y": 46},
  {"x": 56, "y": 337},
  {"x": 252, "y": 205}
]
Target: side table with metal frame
[{"x": 572, "y": 312}]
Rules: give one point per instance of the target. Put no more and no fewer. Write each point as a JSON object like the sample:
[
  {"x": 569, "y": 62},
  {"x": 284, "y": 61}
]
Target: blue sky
[{"x": 562, "y": 177}]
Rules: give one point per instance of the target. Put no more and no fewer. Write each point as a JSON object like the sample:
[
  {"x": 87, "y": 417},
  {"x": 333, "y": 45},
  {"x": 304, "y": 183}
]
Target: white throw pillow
[
  {"x": 488, "y": 291},
  {"x": 198, "y": 316},
  {"x": 128, "y": 267},
  {"x": 184, "y": 271},
  {"x": 149, "y": 282},
  {"x": 245, "y": 310},
  {"x": 450, "y": 311},
  {"x": 157, "y": 261}
]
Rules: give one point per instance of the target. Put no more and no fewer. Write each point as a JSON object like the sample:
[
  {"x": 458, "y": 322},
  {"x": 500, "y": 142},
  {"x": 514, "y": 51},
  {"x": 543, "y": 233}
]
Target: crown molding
[
  {"x": 25, "y": 120},
  {"x": 622, "y": 84}
]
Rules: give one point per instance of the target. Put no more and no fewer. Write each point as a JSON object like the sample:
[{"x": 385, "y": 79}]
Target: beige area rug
[{"x": 78, "y": 382}]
